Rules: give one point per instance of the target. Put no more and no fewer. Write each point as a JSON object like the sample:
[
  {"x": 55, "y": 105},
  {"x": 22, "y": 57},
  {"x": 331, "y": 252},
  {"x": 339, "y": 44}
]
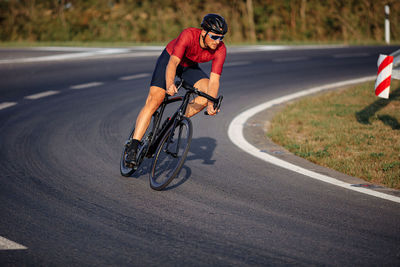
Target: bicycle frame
[{"x": 156, "y": 133}]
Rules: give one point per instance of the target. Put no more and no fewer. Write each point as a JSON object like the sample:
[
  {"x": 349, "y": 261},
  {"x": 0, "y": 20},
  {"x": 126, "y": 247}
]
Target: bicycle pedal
[{"x": 130, "y": 165}]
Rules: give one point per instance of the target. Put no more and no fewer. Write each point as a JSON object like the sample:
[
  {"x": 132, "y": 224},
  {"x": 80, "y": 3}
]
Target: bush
[{"x": 161, "y": 20}]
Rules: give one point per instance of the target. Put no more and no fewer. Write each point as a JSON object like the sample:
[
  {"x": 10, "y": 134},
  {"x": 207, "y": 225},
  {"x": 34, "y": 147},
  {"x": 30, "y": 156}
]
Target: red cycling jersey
[{"x": 187, "y": 48}]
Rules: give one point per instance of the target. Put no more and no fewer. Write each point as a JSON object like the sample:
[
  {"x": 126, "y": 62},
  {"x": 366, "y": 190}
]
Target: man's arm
[
  {"x": 170, "y": 74},
  {"x": 213, "y": 87}
]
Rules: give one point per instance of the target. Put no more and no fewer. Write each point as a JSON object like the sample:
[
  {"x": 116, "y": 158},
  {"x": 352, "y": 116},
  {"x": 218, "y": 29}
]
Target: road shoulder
[{"x": 255, "y": 132}]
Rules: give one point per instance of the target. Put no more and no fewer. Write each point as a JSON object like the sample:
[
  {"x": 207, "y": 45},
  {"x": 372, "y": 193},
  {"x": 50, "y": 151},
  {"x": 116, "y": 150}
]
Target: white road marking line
[
  {"x": 253, "y": 48},
  {"x": 136, "y": 76},
  {"x": 289, "y": 59},
  {"x": 86, "y": 85},
  {"x": 65, "y": 49},
  {"x": 6, "y": 244},
  {"x": 351, "y": 55},
  {"x": 158, "y": 48},
  {"x": 237, "y": 63},
  {"x": 269, "y": 47},
  {"x": 5, "y": 105},
  {"x": 83, "y": 52},
  {"x": 108, "y": 51},
  {"x": 235, "y": 133},
  {"x": 41, "y": 95}
]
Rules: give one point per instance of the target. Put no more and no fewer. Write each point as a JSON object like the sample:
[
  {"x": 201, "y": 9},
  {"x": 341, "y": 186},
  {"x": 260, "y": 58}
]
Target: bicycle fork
[{"x": 170, "y": 141}]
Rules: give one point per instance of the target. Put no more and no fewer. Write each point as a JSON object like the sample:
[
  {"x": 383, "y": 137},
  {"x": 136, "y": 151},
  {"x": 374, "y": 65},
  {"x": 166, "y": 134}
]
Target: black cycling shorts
[{"x": 190, "y": 74}]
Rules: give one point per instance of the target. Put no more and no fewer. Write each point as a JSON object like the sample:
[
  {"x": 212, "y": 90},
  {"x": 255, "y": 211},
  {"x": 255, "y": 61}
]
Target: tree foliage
[{"x": 162, "y": 20}]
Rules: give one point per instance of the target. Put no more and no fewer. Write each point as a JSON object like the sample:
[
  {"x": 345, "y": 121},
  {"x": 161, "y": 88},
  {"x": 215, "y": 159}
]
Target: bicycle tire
[{"x": 166, "y": 166}]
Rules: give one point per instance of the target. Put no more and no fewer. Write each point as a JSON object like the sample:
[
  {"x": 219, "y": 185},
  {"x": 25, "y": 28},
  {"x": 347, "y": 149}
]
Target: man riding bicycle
[{"x": 180, "y": 58}]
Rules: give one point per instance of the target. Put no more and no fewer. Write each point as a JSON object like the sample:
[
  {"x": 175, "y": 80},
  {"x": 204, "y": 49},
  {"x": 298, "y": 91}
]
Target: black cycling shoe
[
  {"x": 131, "y": 152},
  {"x": 131, "y": 157}
]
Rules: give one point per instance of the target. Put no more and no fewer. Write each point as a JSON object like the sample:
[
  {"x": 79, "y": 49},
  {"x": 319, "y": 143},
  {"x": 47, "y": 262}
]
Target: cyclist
[{"x": 180, "y": 58}]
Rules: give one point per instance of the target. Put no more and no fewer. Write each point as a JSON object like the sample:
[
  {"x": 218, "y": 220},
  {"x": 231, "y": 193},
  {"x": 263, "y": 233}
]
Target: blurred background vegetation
[{"x": 158, "y": 21}]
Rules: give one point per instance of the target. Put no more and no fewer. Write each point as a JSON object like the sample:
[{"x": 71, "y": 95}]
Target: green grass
[{"x": 351, "y": 131}]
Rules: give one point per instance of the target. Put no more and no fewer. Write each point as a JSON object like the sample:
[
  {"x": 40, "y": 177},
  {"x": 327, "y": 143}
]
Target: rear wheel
[{"x": 170, "y": 156}]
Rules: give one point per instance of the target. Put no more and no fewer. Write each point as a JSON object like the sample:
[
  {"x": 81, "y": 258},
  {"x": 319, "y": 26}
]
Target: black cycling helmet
[{"x": 214, "y": 23}]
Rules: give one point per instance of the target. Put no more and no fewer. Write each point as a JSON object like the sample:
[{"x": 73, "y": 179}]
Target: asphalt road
[{"x": 62, "y": 197}]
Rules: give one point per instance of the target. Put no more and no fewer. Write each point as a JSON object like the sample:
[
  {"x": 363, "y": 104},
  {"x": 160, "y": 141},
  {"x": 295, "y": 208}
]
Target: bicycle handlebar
[{"x": 217, "y": 101}]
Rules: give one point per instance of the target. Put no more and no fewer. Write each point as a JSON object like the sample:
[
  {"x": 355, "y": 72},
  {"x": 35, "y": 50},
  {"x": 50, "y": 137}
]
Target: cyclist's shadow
[{"x": 200, "y": 148}]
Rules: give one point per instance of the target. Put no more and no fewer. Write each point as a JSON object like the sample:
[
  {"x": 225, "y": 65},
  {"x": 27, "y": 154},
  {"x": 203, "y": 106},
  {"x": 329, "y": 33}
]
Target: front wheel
[{"x": 171, "y": 154}]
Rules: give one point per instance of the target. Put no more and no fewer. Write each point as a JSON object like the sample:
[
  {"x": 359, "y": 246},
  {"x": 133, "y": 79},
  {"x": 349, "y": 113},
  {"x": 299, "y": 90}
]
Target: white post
[{"x": 387, "y": 24}]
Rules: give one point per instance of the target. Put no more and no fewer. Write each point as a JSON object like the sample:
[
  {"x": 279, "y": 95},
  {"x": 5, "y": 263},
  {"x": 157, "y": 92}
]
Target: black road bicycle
[{"x": 169, "y": 144}]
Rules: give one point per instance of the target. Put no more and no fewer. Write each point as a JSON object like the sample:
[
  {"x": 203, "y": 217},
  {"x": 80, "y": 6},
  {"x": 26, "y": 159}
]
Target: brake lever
[
  {"x": 178, "y": 84},
  {"x": 216, "y": 105}
]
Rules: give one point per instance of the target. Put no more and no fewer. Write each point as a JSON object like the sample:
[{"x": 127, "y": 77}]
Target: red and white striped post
[{"x": 382, "y": 84}]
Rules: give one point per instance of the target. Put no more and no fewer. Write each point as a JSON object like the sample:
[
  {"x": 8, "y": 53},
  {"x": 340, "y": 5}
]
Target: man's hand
[
  {"x": 210, "y": 109},
  {"x": 172, "y": 90}
]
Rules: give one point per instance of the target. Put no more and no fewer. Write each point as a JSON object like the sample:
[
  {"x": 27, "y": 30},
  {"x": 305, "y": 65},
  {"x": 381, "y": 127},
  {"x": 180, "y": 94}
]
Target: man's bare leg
[
  {"x": 154, "y": 100},
  {"x": 199, "y": 103}
]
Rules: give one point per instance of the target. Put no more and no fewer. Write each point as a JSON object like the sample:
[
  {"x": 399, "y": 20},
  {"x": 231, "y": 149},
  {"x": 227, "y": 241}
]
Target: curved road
[{"x": 63, "y": 199}]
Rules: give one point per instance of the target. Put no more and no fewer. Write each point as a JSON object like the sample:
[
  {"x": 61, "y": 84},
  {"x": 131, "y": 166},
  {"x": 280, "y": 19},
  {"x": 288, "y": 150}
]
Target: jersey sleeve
[
  {"x": 218, "y": 61},
  {"x": 182, "y": 42}
]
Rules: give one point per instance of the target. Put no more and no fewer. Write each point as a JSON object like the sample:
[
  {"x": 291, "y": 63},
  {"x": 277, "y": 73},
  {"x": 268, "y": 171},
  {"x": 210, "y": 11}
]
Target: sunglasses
[{"x": 215, "y": 37}]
